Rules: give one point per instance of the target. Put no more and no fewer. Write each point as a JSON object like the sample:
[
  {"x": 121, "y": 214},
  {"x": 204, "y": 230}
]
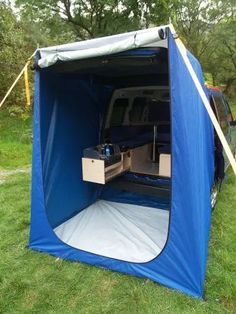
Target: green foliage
[
  {"x": 19, "y": 36},
  {"x": 196, "y": 21},
  {"x": 207, "y": 28},
  {"x": 220, "y": 57},
  {"x": 93, "y": 18},
  {"x": 23, "y": 112},
  {"x": 11, "y": 58}
]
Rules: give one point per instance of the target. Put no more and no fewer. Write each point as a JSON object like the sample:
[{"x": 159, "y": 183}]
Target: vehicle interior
[{"x": 137, "y": 122}]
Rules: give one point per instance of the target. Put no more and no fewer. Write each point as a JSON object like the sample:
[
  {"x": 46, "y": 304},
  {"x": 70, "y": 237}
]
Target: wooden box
[{"x": 94, "y": 170}]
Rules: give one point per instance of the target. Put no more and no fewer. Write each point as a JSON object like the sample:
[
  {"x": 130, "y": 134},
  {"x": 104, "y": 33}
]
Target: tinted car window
[
  {"x": 137, "y": 111},
  {"x": 159, "y": 111},
  {"x": 222, "y": 114},
  {"x": 149, "y": 110},
  {"x": 118, "y": 111}
]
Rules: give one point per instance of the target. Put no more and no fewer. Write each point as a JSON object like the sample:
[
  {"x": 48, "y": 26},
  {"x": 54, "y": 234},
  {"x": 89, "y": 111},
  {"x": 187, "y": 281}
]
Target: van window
[
  {"x": 149, "y": 110},
  {"x": 136, "y": 114},
  {"x": 222, "y": 114},
  {"x": 159, "y": 111},
  {"x": 118, "y": 111},
  {"x": 228, "y": 111}
]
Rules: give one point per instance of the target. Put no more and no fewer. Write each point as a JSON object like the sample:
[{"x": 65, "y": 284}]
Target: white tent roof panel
[{"x": 152, "y": 37}]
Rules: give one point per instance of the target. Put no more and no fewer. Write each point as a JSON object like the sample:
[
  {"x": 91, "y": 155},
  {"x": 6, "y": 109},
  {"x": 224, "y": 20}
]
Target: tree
[
  {"x": 220, "y": 59},
  {"x": 93, "y": 18},
  {"x": 14, "y": 49},
  {"x": 196, "y": 21},
  {"x": 19, "y": 37},
  {"x": 207, "y": 29}
]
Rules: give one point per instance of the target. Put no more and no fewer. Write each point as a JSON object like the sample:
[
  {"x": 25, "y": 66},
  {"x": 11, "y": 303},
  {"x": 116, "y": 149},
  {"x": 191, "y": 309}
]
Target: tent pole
[
  {"x": 154, "y": 143},
  {"x": 206, "y": 103},
  {"x": 27, "y": 88},
  {"x": 17, "y": 79}
]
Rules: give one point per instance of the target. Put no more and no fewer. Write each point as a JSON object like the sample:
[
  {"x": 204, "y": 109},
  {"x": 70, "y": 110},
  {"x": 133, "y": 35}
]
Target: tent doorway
[{"x": 122, "y": 123}]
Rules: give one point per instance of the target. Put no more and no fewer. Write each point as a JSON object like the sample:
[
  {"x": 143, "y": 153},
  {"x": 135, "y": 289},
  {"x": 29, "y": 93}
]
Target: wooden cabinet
[
  {"x": 165, "y": 165},
  {"x": 94, "y": 170},
  {"x": 136, "y": 160}
]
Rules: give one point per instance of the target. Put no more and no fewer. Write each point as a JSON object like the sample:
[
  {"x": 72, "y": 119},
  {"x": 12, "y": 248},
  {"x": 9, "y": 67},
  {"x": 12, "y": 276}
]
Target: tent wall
[
  {"x": 181, "y": 265},
  {"x": 70, "y": 117},
  {"x": 192, "y": 174}
]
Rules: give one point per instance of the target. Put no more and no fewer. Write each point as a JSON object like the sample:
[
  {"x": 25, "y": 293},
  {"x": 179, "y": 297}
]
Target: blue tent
[{"x": 69, "y": 103}]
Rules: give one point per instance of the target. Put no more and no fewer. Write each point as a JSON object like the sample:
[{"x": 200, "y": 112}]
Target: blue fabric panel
[
  {"x": 71, "y": 112},
  {"x": 142, "y": 52},
  {"x": 192, "y": 174},
  {"x": 181, "y": 265}
]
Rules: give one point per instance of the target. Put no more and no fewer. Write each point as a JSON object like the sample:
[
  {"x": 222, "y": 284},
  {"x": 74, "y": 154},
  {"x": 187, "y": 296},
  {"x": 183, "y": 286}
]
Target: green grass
[
  {"x": 15, "y": 141},
  {"x": 31, "y": 282}
]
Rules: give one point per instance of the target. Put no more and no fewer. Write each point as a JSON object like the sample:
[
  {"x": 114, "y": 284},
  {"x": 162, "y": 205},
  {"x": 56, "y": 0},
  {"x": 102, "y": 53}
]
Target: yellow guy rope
[
  {"x": 17, "y": 79},
  {"x": 205, "y": 101}
]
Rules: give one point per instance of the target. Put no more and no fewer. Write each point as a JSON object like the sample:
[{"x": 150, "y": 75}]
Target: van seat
[
  {"x": 135, "y": 136},
  {"x": 147, "y": 179}
]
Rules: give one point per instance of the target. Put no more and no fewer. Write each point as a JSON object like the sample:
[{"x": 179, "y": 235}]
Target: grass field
[
  {"x": 15, "y": 141},
  {"x": 31, "y": 282}
]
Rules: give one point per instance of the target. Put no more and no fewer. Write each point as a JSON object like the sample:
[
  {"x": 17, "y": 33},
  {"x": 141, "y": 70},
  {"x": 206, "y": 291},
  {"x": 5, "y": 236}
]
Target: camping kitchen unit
[{"x": 124, "y": 158}]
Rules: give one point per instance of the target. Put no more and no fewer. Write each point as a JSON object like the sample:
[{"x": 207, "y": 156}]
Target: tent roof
[{"x": 108, "y": 45}]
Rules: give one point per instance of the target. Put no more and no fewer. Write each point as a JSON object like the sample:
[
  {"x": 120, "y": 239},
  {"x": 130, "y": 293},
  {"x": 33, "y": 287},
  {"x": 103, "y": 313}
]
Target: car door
[
  {"x": 225, "y": 119},
  {"x": 232, "y": 126}
]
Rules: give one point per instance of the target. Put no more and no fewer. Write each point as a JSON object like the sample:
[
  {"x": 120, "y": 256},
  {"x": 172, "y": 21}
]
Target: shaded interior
[{"x": 76, "y": 114}]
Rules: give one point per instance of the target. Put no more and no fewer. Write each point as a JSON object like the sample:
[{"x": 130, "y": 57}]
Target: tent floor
[{"x": 122, "y": 231}]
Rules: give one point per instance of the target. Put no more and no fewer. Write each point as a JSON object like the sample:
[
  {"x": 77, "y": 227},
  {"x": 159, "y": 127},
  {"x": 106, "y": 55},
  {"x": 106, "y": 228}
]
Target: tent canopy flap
[{"x": 103, "y": 46}]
